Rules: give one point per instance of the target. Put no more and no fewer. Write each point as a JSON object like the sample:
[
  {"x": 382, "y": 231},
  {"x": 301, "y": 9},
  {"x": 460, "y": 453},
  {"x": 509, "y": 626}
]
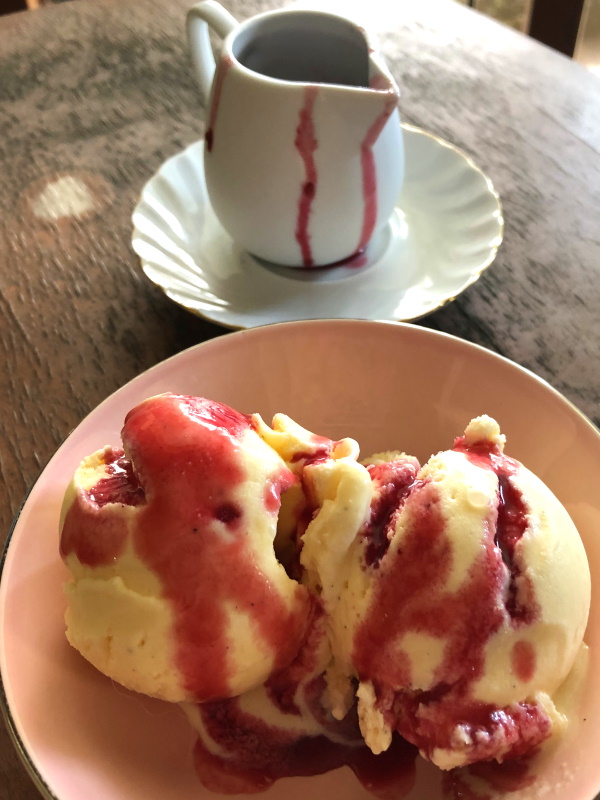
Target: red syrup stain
[
  {"x": 523, "y": 660},
  {"x": 271, "y": 754},
  {"x": 255, "y": 754},
  {"x": 389, "y": 775},
  {"x": 317, "y": 456},
  {"x": 464, "y": 619},
  {"x": 306, "y": 144},
  {"x": 355, "y": 261},
  {"x": 282, "y": 687},
  {"x": 224, "y": 65},
  {"x": 487, "y": 780},
  {"x": 511, "y": 525},
  {"x": 318, "y": 450},
  {"x": 121, "y": 485},
  {"x": 95, "y": 534},
  {"x": 260, "y": 754},
  {"x": 369, "y": 174},
  {"x": 319, "y": 453},
  {"x": 393, "y": 482}
]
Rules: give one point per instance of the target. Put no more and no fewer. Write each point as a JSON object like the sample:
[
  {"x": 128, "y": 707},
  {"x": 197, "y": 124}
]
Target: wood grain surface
[{"x": 99, "y": 93}]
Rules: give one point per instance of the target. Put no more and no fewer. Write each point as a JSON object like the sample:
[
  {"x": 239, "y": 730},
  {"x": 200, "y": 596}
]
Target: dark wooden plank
[
  {"x": 556, "y": 23},
  {"x": 10, "y": 6}
]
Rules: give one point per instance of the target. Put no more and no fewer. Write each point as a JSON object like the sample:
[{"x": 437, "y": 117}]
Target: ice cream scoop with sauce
[
  {"x": 176, "y": 591},
  {"x": 457, "y": 597}
]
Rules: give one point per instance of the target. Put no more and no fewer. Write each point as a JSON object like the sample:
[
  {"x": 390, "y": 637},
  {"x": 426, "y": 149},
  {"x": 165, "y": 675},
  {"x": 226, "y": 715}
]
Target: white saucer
[{"x": 445, "y": 231}]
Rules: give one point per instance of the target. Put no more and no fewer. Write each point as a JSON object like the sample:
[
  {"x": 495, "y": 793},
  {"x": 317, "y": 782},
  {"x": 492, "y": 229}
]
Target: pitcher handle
[{"x": 199, "y": 17}]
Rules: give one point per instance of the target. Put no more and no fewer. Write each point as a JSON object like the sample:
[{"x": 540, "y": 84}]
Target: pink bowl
[{"x": 387, "y": 385}]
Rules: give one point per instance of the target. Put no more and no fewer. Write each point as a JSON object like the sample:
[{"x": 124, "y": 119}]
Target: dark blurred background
[{"x": 570, "y": 26}]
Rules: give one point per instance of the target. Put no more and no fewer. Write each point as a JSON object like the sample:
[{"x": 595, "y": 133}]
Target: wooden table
[{"x": 99, "y": 93}]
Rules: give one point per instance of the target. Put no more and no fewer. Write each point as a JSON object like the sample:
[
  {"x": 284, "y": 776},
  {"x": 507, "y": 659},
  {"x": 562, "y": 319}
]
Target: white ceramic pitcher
[{"x": 303, "y": 151}]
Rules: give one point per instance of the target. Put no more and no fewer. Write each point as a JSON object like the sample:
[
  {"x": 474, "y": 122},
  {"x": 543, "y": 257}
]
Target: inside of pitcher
[{"x": 305, "y": 46}]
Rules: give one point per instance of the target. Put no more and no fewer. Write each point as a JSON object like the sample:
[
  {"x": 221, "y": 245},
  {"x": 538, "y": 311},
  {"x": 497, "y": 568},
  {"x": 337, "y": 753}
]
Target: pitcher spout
[{"x": 380, "y": 78}]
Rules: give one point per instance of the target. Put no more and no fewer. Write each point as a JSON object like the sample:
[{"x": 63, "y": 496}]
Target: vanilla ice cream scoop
[
  {"x": 460, "y": 601},
  {"x": 175, "y": 588}
]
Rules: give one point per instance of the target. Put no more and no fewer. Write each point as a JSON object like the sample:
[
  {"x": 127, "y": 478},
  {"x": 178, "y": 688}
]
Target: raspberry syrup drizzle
[
  {"x": 95, "y": 534},
  {"x": 523, "y": 660},
  {"x": 306, "y": 144},
  {"x": 189, "y": 454},
  {"x": 511, "y": 525},
  {"x": 492, "y": 780},
  {"x": 393, "y": 481},
  {"x": 221, "y": 71},
  {"x": 369, "y": 173},
  {"x": 256, "y": 753},
  {"x": 120, "y": 484},
  {"x": 318, "y": 451},
  {"x": 464, "y": 620}
]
